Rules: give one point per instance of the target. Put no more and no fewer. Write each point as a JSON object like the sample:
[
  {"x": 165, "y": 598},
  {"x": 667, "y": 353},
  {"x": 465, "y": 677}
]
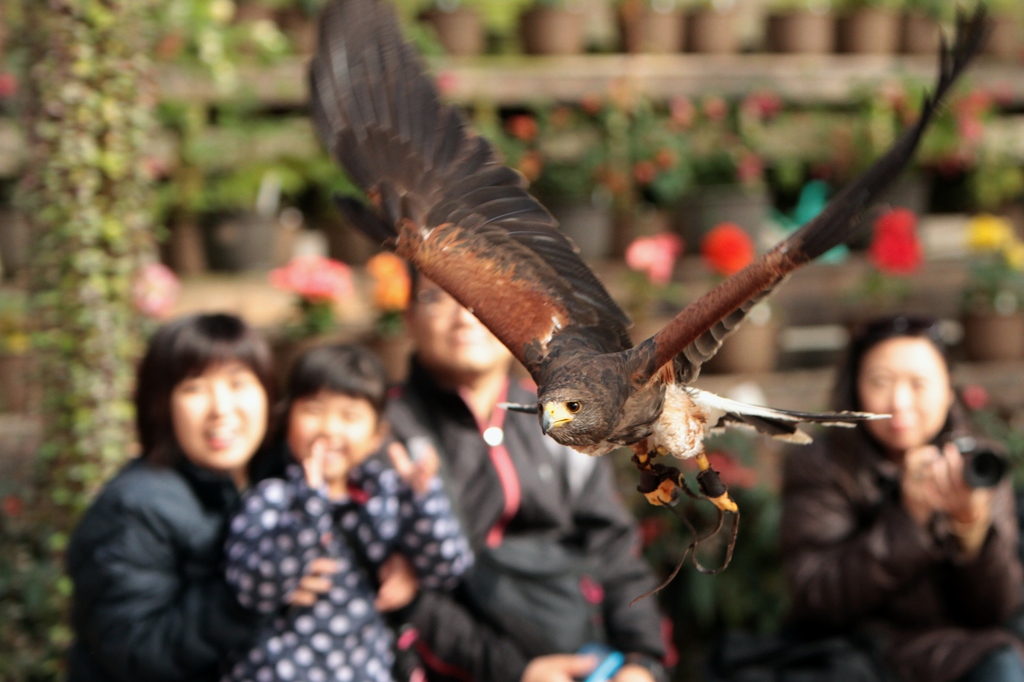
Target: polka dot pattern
[{"x": 284, "y": 525}]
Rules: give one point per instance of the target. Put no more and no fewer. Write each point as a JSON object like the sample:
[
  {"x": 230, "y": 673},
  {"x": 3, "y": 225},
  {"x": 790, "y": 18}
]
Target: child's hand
[
  {"x": 417, "y": 474},
  {"x": 317, "y": 581},
  {"x": 315, "y": 465},
  {"x": 398, "y": 584}
]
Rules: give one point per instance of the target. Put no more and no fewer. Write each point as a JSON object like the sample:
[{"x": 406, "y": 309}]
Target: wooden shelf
[{"x": 513, "y": 79}]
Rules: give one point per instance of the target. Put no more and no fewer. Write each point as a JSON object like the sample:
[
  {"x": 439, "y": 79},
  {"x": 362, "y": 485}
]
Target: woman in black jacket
[{"x": 150, "y": 601}]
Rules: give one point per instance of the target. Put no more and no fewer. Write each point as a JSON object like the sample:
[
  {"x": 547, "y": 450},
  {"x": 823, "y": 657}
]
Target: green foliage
[
  {"x": 853, "y": 5},
  {"x": 87, "y": 195},
  {"x": 799, "y": 5}
]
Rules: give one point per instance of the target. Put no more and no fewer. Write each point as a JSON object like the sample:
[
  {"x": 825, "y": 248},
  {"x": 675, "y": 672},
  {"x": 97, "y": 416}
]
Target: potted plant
[
  {"x": 728, "y": 169},
  {"x": 322, "y": 286},
  {"x": 868, "y": 26},
  {"x": 993, "y": 319},
  {"x": 800, "y": 26},
  {"x": 894, "y": 255},
  {"x": 651, "y": 26},
  {"x": 562, "y": 150},
  {"x": 711, "y": 27},
  {"x": 1004, "y": 41},
  {"x": 753, "y": 346},
  {"x": 459, "y": 27},
  {"x": 552, "y": 27},
  {"x": 921, "y": 26}
]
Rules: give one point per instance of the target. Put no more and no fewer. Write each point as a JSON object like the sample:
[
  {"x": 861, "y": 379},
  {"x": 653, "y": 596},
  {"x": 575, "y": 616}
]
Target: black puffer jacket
[{"x": 150, "y": 602}]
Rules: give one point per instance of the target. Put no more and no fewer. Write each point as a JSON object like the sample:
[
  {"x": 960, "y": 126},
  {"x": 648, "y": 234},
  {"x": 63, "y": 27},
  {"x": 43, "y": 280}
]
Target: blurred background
[{"x": 156, "y": 159}]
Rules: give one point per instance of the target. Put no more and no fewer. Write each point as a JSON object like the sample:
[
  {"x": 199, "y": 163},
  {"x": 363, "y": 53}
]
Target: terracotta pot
[
  {"x": 648, "y": 30},
  {"x": 801, "y": 32},
  {"x": 868, "y": 31},
  {"x": 546, "y": 30},
  {"x": 711, "y": 32},
  {"x": 460, "y": 31},
  {"x": 1004, "y": 41},
  {"x": 989, "y": 336},
  {"x": 920, "y": 33},
  {"x": 753, "y": 347}
]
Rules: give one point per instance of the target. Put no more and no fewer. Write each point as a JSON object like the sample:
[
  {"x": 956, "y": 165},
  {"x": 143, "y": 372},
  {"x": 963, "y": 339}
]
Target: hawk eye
[{"x": 574, "y": 406}]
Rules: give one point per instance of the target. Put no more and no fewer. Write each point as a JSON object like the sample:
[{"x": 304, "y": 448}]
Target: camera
[{"x": 983, "y": 466}]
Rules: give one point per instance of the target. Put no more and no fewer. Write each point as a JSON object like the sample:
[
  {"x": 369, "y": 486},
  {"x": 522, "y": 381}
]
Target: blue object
[{"x": 611, "y": 661}]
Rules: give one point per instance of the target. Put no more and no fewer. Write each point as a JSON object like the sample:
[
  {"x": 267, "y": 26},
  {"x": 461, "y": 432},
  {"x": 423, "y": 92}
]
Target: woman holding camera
[{"x": 882, "y": 533}]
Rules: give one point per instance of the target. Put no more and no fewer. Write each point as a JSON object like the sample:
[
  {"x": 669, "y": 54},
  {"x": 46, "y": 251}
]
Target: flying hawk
[{"x": 442, "y": 198}]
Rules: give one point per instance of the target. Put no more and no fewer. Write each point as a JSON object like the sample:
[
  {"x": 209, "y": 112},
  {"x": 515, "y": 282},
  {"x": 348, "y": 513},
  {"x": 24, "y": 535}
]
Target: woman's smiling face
[
  {"x": 220, "y": 418},
  {"x": 907, "y": 378}
]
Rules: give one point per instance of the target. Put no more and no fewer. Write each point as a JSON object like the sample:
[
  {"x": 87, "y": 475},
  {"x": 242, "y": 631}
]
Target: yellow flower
[
  {"x": 989, "y": 233},
  {"x": 1014, "y": 254}
]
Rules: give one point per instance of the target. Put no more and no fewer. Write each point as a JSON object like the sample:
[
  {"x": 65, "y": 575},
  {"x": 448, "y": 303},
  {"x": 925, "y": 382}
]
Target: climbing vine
[
  {"x": 88, "y": 120},
  {"x": 88, "y": 196}
]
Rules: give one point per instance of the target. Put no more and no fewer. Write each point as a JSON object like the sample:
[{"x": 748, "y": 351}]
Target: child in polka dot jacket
[{"x": 344, "y": 537}]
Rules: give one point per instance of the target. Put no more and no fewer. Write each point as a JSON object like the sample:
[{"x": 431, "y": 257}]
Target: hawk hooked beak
[{"x": 554, "y": 414}]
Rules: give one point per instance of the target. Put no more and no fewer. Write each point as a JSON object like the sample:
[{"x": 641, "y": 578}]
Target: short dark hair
[
  {"x": 346, "y": 368},
  {"x": 185, "y": 348},
  {"x": 874, "y": 332}
]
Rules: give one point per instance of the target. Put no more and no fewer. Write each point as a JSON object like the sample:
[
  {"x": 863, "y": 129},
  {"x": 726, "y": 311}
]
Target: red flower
[
  {"x": 727, "y": 249},
  {"x": 12, "y": 506},
  {"x": 655, "y": 256},
  {"x": 315, "y": 278},
  {"x": 8, "y": 84},
  {"x": 665, "y": 158},
  {"x": 974, "y": 397},
  {"x": 895, "y": 248},
  {"x": 523, "y": 127},
  {"x": 644, "y": 172}
]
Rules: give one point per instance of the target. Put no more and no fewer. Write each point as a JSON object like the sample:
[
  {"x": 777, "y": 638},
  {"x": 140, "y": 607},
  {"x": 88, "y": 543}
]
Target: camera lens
[{"x": 983, "y": 467}]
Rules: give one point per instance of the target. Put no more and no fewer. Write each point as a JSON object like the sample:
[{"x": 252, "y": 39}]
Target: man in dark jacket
[{"x": 509, "y": 482}]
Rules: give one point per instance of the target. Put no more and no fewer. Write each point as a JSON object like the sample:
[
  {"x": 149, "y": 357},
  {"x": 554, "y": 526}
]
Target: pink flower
[
  {"x": 655, "y": 256},
  {"x": 315, "y": 278},
  {"x": 762, "y": 104},
  {"x": 974, "y": 397},
  {"x": 716, "y": 108},
  {"x": 155, "y": 290},
  {"x": 447, "y": 82},
  {"x": 750, "y": 168},
  {"x": 683, "y": 112}
]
